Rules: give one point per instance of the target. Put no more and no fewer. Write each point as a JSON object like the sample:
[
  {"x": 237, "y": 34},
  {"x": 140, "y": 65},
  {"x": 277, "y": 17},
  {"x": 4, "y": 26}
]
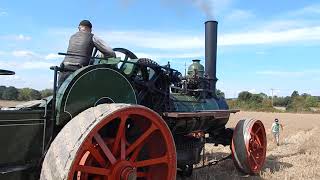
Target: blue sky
[{"x": 261, "y": 44}]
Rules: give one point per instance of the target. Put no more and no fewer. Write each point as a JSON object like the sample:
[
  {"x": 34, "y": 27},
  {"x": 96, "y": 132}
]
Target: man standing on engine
[
  {"x": 81, "y": 45},
  {"x": 275, "y": 128}
]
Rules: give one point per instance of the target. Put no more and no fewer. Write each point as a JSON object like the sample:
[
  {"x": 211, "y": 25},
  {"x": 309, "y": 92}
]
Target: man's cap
[
  {"x": 85, "y": 23},
  {"x": 276, "y": 120}
]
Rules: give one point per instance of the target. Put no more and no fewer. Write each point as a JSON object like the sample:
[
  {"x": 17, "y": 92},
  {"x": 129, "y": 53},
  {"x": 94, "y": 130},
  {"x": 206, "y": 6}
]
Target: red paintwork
[{"x": 116, "y": 158}]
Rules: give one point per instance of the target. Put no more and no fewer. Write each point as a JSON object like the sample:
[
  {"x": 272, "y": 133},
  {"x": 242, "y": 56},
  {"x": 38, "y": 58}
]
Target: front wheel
[
  {"x": 249, "y": 145},
  {"x": 112, "y": 141}
]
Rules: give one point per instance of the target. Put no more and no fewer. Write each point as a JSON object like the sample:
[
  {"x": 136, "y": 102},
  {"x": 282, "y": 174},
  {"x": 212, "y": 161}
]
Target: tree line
[
  {"x": 23, "y": 94},
  {"x": 262, "y": 102}
]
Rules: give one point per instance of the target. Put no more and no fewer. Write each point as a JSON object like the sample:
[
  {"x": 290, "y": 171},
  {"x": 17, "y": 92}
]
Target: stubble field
[
  {"x": 4, "y": 103},
  {"x": 297, "y": 157}
]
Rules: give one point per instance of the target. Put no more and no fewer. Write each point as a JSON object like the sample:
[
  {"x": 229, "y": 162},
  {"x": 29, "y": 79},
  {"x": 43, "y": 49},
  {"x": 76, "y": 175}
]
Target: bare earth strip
[
  {"x": 4, "y": 103},
  {"x": 297, "y": 157}
]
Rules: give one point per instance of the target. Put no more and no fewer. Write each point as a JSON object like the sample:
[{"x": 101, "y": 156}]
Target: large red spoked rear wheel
[
  {"x": 249, "y": 145},
  {"x": 113, "y": 142}
]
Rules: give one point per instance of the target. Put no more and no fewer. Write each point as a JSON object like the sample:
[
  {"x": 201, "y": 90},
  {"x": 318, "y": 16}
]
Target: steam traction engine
[{"x": 127, "y": 119}]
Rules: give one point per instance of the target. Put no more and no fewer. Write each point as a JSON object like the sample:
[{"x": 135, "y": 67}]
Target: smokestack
[{"x": 211, "y": 31}]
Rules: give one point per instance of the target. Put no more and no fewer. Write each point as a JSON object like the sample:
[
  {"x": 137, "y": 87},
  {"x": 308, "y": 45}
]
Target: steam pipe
[{"x": 211, "y": 34}]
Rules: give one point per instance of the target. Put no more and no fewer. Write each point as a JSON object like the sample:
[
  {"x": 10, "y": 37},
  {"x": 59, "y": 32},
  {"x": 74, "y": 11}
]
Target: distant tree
[
  {"x": 220, "y": 93},
  {"x": 256, "y": 98},
  {"x": 281, "y": 101},
  {"x": 244, "y": 96},
  {"x": 287, "y": 100},
  {"x": 305, "y": 95},
  {"x": 263, "y": 95},
  {"x": 34, "y": 94},
  {"x": 10, "y": 93},
  {"x": 298, "y": 104},
  {"x": 46, "y": 93},
  {"x": 2, "y": 89},
  {"x": 294, "y": 94},
  {"x": 311, "y": 101},
  {"x": 24, "y": 94},
  {"x": 27, "y": 94}
]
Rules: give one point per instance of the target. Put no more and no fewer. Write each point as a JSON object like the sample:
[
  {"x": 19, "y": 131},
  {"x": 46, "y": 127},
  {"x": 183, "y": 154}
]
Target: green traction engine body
[{"x": 187, "y": 103}]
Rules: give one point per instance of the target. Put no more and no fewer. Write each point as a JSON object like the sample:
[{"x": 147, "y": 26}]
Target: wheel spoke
[
  {"x": 256, "y": 138},
  {"x": 105, "y": 148},
  {"x": 120, "y": 133},
  {"x": 123, "y": 148},
  {"x": 254, "y": 159},
  {"x": 142, "y": 138},
  {"x": 92, "y": 170},
  {"x": 97, "y": 156},
  {"x": 257, "y": 130},
  {"x": 151, "y": 162},
  {"x": 258, "y": 141},
  {"x": 135, "y": 153}
]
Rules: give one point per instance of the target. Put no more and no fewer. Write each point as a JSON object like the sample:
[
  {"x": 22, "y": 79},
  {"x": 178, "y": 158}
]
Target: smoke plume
[{"x": 206, "y": 6}]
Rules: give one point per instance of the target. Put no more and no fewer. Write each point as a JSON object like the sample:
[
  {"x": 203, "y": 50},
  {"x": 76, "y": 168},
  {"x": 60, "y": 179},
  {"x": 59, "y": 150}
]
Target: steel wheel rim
[
  {"x": 256, "y": 146},
  {"x": 119, "y": 158},
  {"x": 253, "y": 147}
]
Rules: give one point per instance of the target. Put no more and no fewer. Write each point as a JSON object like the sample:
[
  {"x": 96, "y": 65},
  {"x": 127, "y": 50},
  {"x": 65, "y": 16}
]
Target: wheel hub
[
  {"x": 124, "y": 170},
  {"x": 129, "y": 174}
]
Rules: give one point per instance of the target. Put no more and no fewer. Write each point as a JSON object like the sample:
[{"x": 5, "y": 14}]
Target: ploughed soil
[{"x": 297, "y": 157}]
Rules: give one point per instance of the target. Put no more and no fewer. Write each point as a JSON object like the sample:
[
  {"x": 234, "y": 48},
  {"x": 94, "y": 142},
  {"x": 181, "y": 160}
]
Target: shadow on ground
[{"x": 226, "y": 170}]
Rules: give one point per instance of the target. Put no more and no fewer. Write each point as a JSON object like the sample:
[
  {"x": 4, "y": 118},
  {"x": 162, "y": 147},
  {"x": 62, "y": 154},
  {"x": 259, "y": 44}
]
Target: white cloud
[
  {"x": 275, "y": 92},
  {"x": 3, "y": 13},
  {"x": 170, "y": 41},
  {"x": 170, "y": 55},
  {"x": 23, "y": 53},
  {"x": 156, "y": 40},
  {"x": 36, "y": 65},
  {"x": 17, "y": 65},
  {"x": 253, "y": 91},
  {"x": 26, "y": 59},
  {"x": 12, "y": 80},
  {"x": 239, "y": 14},
  {"x": 19, "y": 37},
  {"x": 52, "y": 56},
  {"x": 23, "y": 37},
  {"x": 302, "y": 73},
  {"x": 271, "y": 37}
]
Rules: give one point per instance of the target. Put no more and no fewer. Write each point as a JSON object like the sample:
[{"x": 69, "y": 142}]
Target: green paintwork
[
  {"x": 21, "y": 138},
  {"x": 129, "y": 68},
  {"x": 89, "y": 85},
  {"x": 184, "y": 103},
  {"x": 21, "y": 133},
  {"x": 196, "y": 67}
]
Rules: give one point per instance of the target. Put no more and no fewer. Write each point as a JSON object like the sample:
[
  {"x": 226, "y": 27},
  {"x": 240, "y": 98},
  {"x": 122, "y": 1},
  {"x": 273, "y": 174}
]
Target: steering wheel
[
  {"x": 128, "y": 54},
  {"x": 6, "y": 72}
]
